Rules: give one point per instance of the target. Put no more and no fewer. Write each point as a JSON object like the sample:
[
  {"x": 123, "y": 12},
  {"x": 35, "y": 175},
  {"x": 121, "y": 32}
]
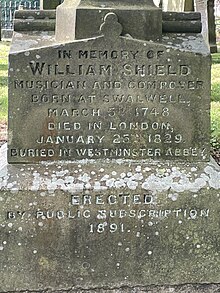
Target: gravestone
[{"x": 108, "y": 185}]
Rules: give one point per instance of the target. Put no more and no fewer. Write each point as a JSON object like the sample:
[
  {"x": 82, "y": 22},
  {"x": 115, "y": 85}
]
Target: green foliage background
[{"x": 4, "y": 50}]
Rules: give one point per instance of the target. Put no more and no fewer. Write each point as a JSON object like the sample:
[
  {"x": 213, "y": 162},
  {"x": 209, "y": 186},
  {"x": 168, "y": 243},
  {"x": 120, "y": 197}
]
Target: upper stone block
[{"x": 140, "y": 19}]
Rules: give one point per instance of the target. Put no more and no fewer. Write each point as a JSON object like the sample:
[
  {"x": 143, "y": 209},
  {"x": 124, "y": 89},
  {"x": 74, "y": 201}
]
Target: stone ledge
[
  {"x": 186, "y": 288},
  {"x": 98, "y": 175}
]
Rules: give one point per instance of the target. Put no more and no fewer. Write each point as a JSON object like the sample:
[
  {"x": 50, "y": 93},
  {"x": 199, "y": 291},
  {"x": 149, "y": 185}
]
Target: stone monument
[{"x": 108, "y": 185}]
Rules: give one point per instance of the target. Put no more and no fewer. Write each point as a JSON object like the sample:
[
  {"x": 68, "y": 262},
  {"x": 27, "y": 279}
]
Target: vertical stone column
[
  {"x": 211, "y": 25},
  {"x": 201, "y": 6},
  {"x": 65, "y": 21},
  {"x": 206, "y": 8}
]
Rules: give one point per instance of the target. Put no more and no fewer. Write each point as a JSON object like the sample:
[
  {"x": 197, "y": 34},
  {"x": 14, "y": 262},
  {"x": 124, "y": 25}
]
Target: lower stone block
[{"x": 109, "y": 226}]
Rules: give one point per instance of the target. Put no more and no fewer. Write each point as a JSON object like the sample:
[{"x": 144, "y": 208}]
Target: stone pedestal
[{"x": 105, "y": 225}]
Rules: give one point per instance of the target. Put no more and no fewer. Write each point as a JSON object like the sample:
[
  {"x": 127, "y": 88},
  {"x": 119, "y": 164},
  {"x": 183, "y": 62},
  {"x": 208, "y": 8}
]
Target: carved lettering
[
  {"x": 38, "y": 68},
  {"x": 96, "y": 54},
  {"x": 155, "y": 69},
  {"x": 85, "y": 112}
]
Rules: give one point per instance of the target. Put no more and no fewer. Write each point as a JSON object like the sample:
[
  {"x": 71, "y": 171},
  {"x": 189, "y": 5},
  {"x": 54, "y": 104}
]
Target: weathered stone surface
[
  {"x": 201, "y": 6},
  {"x": 99, "y": 215},
  {"x": 182, "y": 22},
  {"x": 66, "y": 21},
  {"x": 34, "y": 20},
  {"x": 137, "y": 100},
  {"x": 109, "y": 224},
  {"x": 140, "y": 19},
  {"x": 149, "y": 289}
]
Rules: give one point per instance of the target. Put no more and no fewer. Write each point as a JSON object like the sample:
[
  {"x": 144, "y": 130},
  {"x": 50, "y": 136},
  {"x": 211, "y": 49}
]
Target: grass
[
  {"x": 216, "y": 77},
  {"x": 215, "y": 126},
  {"x": 4, "y": 49},
  {"x": 215, "y": 97}
]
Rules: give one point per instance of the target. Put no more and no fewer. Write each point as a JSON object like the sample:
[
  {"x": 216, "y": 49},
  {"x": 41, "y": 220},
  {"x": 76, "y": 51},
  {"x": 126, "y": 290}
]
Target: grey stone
[
  {"x": 34, "y": 20},
  {"x": 155, "y": 289},
  {"x": 201, "y": 6},
  {"x": 110, "y": 97},
  {"x": 108, "y": 225},
  {"x": 140, "y": 19},
  {"x": 66, "y": 21},
  {"x": 119, "y": 193},
  {"x": 45, "y": 20},
  {"x": 182, "y": 22}
]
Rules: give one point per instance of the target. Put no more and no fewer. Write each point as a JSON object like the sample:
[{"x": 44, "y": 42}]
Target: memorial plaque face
[
  {"x": 85, "y": 226},
  {"x": 121, "y": 99}
]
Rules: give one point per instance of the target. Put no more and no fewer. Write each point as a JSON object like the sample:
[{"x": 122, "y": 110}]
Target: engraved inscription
[
  {"x": 111, "y": 212},
  {"x": 118, "y": 103}
]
